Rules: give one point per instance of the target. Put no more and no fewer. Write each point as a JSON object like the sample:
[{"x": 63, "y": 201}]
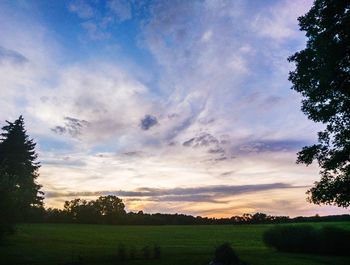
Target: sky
[{"x": 174, "y": 106}]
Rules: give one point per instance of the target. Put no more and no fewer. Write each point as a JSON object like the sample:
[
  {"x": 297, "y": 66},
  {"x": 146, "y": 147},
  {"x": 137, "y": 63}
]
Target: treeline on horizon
[{"x": 111, "y": 210}]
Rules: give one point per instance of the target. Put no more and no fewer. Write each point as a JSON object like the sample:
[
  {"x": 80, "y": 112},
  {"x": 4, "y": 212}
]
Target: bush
[
  {"x": 308, "y": 239},
  {"x": 291, "y": 238},
  {"x": 225, "y": 255},
  {"x": 334, "y": 241}
]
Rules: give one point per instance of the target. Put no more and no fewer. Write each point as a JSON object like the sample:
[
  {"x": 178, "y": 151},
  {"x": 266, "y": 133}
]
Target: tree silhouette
[
  {"x": 18, "y": 172},
  {"x": 322, "y": 76},
  {"x": 6, "y": 204},
  {"x": 81, "y": 211},
  {"x": 111, "y": 208},
  {"x": 105, "y": 209}
]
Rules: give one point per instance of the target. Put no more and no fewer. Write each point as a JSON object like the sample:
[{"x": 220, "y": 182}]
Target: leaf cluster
[{"x": 322, "y": 76}]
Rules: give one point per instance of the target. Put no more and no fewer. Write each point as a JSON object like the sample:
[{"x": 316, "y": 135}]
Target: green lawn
[{"x": 189, "y": 245}]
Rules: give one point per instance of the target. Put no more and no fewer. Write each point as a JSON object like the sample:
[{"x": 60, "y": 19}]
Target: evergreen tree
[
  {"x": 322, "y": 76},
  {"x": 18, "y": 172},
  {"x": 6, "y": 204}
]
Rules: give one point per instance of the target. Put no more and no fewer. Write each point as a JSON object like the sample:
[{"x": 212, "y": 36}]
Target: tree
[
  {"x": 81, "y": 211},
  {"x": 106, "y": 209},
  {"x": 6, "y": 204},
  {"x": 111, "y": 208},
  {"x": 18, "y": 172},
  {"x": 322, "y": 76}
]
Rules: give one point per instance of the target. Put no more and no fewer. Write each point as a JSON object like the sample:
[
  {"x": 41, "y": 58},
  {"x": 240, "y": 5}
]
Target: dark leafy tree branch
[{"x": 322, "y": 76}]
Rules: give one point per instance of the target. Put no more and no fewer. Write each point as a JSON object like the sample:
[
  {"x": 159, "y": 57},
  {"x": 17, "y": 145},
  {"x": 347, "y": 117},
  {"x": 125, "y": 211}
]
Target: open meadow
[{"x": 191, "y": 245}]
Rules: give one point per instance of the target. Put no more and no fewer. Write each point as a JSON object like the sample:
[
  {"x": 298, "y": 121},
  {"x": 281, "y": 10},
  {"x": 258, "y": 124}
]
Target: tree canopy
[
  {"x": 322, "y": 76},
  {"x": 106, "y": 209},
  {"x": 18, "y": 172}
]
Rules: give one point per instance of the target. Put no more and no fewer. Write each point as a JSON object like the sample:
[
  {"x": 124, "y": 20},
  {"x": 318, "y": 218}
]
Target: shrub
[
  {"x": 291, "y": 238},
  {"x": 224, "y": 255},
  {"x": 334, "y": 241},
  {"x": 307, "y": 239}
]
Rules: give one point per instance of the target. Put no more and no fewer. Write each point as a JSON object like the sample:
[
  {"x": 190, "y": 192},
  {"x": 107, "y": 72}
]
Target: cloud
[
  {"x": 271, "y": 100},
  {"x": 148, "y": 121},
  {"x": 261, "y": 146},
  {"x": 260, "y": 100},
  {"x": 95, "y": 103},
  {"x": 8, "y": 55},
  {"x": 95, "y": 31},
  {"x": 121, "y": 8},
  {"x": 279, "y": 22},
  {"x": 216, "y": 150},
  {"x": 227, "y": 173},
  {"x": 200, "y": 198},
  {"x": 181, "y": 194},
  {"x": 211, "y": 144},
  {"x": 72, "y": 126},
  {"x": 27, "y": 60},
  {"x": 134, "y": 153},
  {"x": 98, "y": 19},
  {"x": 82, "y": 8},
  {"x": 203, "y": 140},
  {"x": 66, "y": 161},
  {"x": 209, "y": 73}
]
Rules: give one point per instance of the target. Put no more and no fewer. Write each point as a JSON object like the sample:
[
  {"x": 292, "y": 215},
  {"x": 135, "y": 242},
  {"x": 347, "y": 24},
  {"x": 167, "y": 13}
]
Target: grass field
[{"x": 189, "y": 245}]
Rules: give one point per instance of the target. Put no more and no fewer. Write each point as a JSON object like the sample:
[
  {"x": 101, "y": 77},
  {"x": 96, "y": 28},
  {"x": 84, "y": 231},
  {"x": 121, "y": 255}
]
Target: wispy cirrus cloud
[
  {"x": 82, "y": 8},
  {"x": 99, "y": 16},
  {"x": 8, "y": 55},
  {"x": 207, "y": 194},
  {"x": 278, "y": 22},
  {"x": 121, "y": 8}
]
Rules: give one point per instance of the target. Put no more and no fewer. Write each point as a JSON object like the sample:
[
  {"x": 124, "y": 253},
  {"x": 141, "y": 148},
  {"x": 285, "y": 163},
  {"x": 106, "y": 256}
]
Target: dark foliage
[
  {"x": 105, "y": 210},
  {"x": 18, "y": 161},
  {"x": 299, "y": 238},
  {"x": 19, "y": 192},
  {"x": 53, "y": 215},
  {"x": 6, "y": 205},
  {"x": 89, "y": 212},
  {"x": 81, "y": 211},
  {"x": 322, "y": 76},
  {"x": 307, "y": 239},
  {"x": 225, "y": 255},
  {"x": 334, "y": 241}
]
